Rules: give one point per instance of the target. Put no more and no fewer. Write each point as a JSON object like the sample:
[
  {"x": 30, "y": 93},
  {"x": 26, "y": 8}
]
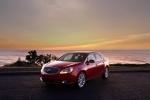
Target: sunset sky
[{"x": 74, "y": 24}]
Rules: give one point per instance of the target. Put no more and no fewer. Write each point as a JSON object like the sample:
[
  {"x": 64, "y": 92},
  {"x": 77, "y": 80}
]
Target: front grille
[{"x": 51, "y": 70}]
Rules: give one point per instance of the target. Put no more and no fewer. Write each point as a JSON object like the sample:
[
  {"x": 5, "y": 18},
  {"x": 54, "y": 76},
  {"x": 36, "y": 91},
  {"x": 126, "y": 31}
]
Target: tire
[
  {"x": 81, "y": 79},
  {"x": 106, "y": 73}
]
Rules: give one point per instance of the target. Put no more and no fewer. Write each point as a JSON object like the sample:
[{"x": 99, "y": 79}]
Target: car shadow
[{"x": 92, "y": 87}]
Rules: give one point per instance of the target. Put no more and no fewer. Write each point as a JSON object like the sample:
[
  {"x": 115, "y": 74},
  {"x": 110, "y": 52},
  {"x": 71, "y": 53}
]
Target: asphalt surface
[
  {"x": 119, "y": 86},
  {"x": 35, "y": 70}
]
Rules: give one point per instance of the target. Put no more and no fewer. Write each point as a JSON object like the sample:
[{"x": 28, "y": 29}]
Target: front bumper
[{"x": 58, "y": 78}]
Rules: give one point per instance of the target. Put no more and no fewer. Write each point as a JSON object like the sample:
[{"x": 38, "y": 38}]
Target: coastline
[
  {"x": 131, "y": 65},
  {"x": 115, "y": 56}
]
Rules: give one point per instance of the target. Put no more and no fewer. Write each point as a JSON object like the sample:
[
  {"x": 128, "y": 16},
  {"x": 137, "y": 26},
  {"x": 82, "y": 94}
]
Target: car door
[
  {"x": 91, "y": 67},
  {"x": 99, "y": 64}
]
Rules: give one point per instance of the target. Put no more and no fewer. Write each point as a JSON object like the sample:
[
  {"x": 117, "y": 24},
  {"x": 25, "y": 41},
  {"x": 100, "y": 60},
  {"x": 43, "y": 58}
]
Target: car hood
[{"x": 61, "y": 64}]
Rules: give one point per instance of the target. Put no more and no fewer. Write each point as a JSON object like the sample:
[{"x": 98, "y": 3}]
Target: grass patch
[
  {"x": 130, "y": 65},
  {"x": 21, "y": 64}
]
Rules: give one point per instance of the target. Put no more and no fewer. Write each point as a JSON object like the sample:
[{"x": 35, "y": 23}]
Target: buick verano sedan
[{"x": 75, "y": 68}]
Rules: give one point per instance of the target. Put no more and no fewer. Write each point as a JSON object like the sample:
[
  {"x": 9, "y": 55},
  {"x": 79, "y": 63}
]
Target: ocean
[{"x": 114, "y": 56}]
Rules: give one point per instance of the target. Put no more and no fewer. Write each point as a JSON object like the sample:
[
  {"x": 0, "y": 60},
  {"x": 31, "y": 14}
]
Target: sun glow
[{"x": 74, "y": 25}]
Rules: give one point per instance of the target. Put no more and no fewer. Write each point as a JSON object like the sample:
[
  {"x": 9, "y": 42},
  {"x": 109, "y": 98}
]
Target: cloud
[
  {"x": 91, "y": 24},
  {"x": 73, "y": 47},
  {"x": 138, "y": 41}
]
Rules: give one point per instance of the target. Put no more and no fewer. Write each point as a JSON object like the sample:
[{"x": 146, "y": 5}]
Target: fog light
[
  {"x": 64, "y": 81},
  {"x": 41, "y": 79}
]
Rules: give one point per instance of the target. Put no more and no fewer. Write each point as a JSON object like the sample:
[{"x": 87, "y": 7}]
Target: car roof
[{"x": 82, "y": 52}]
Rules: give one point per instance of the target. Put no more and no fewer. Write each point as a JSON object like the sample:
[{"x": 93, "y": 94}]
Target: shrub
[{"x": 33, "y": 58}]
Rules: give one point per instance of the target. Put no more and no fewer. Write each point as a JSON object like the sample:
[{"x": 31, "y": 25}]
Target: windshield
[{"x": 73, "y": 57}]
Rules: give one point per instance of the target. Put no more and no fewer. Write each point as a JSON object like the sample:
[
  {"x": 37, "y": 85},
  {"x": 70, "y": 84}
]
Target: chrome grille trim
[{"x": 51, "y": 70}]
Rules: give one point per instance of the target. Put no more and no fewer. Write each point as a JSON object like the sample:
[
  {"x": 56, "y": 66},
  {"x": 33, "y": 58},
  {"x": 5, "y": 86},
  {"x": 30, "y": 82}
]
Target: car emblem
[{"x": 49, "y": 70}]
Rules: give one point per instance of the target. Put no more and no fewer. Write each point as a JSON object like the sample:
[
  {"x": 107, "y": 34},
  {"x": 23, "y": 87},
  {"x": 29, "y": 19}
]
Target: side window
[
  {"x": 98, "y": 57},
  {"x": 91, "y": 56}
]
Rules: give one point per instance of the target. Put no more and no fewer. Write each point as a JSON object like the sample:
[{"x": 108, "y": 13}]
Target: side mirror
[{"x": 91, "y": 61}]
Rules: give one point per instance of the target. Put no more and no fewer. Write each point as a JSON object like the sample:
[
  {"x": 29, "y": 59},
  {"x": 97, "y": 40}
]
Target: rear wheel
[
  {"x": 106, "y": 73},
  {"x": 81, "y": 79}
]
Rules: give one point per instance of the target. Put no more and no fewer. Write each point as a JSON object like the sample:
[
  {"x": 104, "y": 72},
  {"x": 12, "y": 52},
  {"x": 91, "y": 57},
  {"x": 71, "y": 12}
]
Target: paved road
[{"x": 119, "y": 86}]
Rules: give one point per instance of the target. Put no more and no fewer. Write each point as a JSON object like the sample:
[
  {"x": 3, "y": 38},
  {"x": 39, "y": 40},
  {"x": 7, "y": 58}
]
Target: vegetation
[
  {"x": 33, "y": 60},
  {"x": 130, "y": 65}
]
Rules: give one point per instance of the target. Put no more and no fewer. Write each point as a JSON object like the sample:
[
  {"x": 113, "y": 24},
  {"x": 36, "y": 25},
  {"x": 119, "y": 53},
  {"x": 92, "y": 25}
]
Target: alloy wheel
[{"x": 81, "y": 80}]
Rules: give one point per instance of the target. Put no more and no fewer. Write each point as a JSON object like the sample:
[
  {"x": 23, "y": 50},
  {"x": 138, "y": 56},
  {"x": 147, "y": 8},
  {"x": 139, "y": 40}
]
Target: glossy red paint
[{"x": 78, "y": 62}]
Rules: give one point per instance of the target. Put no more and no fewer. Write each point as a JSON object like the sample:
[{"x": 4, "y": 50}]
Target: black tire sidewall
[{"x": 103, "y": 75}]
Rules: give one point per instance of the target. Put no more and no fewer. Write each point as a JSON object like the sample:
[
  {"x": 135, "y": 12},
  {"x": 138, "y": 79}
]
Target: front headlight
[
  {"x": 66, "y": 70},
  {"x": 42, "y": 70}
]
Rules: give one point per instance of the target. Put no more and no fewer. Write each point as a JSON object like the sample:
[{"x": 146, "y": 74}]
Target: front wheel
[
  {"x": 106, "y": 73},
  {"x": 81, "y": 79}
]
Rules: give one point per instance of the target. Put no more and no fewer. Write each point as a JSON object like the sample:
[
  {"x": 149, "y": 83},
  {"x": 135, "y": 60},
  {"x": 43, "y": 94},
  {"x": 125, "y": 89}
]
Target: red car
[{"x": 75, "y": 68}]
